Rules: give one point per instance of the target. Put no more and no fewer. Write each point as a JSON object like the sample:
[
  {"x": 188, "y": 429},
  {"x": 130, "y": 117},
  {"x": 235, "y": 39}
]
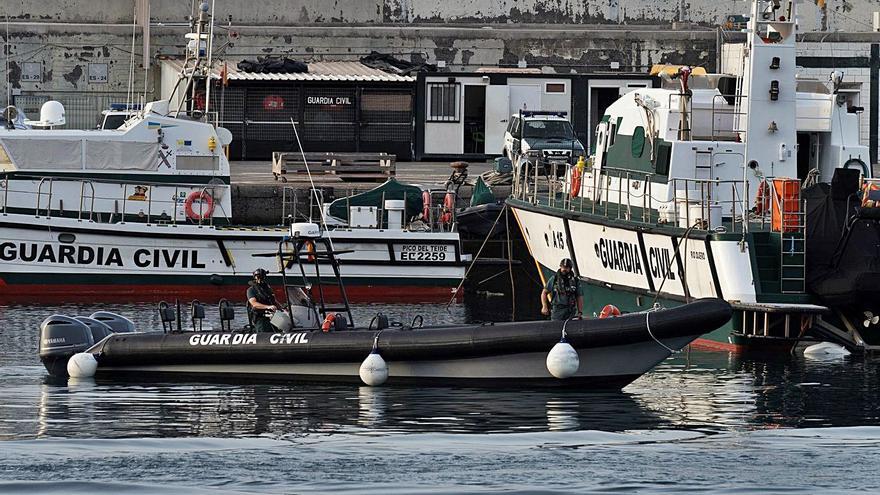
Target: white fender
[
  {"x": 563, "y": 360},
  {"x": 82, "y": 365},
  {"x": 374, "y": 370}
]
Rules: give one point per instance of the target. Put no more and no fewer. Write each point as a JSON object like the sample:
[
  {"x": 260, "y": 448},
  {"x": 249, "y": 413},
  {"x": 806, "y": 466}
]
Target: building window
[
  {"x": 443, "y": 102},
  {"x": 557, "y": 87}
]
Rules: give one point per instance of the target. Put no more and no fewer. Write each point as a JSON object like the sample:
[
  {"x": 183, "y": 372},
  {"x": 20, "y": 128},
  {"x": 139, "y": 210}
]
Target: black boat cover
[{"x": 843, "y": 247}]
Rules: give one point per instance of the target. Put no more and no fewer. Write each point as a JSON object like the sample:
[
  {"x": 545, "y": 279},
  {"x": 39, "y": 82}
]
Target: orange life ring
[
  {"x": 426, "y": 205},
  {"x": 328, "y": 322},
  {"x": 448, "y": 208},
  {"x": 762, "y": 199},
  {"x": 205, "y": 212},
  {"x": 608, "y": 311},
  {"x": 575, "y": 182}
]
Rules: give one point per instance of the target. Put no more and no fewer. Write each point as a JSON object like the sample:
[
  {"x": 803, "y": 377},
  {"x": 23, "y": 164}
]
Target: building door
[
  {"x": 475, "y": 119},
  {"x": 600, "y": 100},
  {"x": 497, "y": 117}
]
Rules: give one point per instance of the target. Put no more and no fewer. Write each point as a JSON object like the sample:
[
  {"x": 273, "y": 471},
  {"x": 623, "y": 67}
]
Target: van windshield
[{"x": 548, "y": 129}]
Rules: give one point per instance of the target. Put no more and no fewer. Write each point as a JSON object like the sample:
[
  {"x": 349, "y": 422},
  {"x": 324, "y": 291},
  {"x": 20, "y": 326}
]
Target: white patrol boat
[
  {"x": 754, "y": 189},
  {"x": 134, "y": 212}
]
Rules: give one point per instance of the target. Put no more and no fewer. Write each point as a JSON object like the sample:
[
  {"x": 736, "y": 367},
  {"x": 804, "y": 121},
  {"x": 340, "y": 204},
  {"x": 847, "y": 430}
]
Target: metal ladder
[{"x": 793, "y": 247}]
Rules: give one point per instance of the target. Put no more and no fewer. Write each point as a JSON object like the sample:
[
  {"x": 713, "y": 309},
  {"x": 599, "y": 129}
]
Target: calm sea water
[{"x": 700, "y": 422}]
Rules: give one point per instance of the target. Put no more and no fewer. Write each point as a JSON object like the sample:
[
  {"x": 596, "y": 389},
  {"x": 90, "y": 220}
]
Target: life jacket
[{"x": 565, "y": 289}]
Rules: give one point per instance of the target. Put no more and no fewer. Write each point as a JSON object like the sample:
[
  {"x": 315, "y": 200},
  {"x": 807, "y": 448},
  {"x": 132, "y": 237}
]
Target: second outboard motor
[
  {"x": 118, "y": 323},
  {"x": 99, "y": 329},
  {"x": 60, "y": 338}
]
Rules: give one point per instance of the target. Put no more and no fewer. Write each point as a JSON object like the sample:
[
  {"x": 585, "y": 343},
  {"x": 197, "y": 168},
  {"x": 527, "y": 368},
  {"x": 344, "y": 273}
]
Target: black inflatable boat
[{"x": 590, "y": 353}]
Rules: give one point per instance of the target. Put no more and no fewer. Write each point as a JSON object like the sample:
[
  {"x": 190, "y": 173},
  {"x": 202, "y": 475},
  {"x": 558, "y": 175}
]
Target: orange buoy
[{"x": 609, "y": 311}]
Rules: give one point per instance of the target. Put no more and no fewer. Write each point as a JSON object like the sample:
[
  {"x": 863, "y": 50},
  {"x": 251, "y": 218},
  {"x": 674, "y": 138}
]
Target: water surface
[{"x": 700, "y": 422}]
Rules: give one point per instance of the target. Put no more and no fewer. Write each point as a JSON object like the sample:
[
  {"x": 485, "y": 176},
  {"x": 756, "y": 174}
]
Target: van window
[{"x": 515, "y": 133}]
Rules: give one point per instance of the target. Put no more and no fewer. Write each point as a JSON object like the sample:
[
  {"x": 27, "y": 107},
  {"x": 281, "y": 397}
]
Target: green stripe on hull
[{"x": 204, "y": 279}]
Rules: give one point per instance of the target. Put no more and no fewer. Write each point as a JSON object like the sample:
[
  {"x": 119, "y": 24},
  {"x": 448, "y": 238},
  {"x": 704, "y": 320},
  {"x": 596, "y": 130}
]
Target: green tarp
[
  {"x": 482, "y": 194},
  {"x": 389, "y": 190}
]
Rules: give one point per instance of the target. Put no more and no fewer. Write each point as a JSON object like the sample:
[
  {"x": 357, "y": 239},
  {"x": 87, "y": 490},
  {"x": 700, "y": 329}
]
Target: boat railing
[
  {"x": 703, "y": 204},
  {"x": 88, "y": 195},
  {"x": 732, "y": 114}
]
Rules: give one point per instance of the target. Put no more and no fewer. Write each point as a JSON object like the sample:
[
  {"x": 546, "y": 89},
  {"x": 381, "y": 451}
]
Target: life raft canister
[
  {"x": 609, "y": 311},
  {"x": 205, "y": 211},
  {"x": 328, "y": 322}
]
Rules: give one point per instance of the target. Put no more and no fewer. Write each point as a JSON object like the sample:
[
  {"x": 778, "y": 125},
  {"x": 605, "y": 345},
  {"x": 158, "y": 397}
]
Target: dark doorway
[
  {"x": 475, "y": 119},
  {"x": 600, "y": 100},
  {"x": 804, "y": 154}
]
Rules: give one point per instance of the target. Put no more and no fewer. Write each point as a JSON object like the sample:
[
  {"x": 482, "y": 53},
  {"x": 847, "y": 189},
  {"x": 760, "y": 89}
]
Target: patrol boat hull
[
  {"x": 612, "y": 352},
  {"x": 50, "y": 259}
]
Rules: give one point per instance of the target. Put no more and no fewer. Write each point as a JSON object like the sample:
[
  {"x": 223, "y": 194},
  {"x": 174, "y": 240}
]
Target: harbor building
[{"x": 89, "y": 54}]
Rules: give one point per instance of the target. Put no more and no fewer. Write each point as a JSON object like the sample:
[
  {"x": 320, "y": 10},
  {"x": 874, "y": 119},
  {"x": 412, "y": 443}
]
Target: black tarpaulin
[
  {"x": 843, "y": 248},
  {"x": 387, "y": 63},
  {"x": 273, "y": 65}
]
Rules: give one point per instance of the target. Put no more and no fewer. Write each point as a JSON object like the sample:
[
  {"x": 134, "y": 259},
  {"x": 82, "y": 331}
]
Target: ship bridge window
[{"x": 638, "y": 142}]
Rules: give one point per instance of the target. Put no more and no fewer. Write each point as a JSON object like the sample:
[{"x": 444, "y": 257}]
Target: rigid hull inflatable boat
[{"x": 596, "y": 353}]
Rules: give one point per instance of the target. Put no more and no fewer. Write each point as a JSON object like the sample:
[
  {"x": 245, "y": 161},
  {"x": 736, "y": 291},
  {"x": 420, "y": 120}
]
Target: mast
[{"x": 769, "y": 87}]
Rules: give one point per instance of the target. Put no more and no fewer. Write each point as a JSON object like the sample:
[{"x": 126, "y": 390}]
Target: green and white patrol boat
[{"x": 746, "y": 188}]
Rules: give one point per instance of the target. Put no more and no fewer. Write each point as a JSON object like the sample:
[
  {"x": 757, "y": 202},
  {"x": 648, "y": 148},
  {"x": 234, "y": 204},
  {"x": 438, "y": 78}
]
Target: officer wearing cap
[
  {"x": 562, "y": 298},
  {"x": 261, "y": 302}
]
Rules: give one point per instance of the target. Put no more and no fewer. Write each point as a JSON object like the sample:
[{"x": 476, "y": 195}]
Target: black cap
[
  {"x": 259, "y": 272},
  {"x": 566, "y": 262}
]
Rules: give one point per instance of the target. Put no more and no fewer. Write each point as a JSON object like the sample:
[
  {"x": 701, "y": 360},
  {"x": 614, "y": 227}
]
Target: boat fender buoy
[
  {"x": 82, "y": 365},
  {"x": 204, "y": 212},
  {"x": 374, "y": 369},
  {"x": 609, "y": 311},
  {"x": 826, "y": 350},
  {"x": 563, "y": 360},
  {"x": 575, "y": 182},
  {"x": 328, "y": 322},
  {"x": 310, "y": 248}
]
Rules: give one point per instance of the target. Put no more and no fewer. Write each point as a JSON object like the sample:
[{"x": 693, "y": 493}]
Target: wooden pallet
[{"x": 377, "y": 167}]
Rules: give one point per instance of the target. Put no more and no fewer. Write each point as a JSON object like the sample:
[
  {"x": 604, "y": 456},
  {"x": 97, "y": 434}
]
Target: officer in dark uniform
[
  {"x": 261, "y": 302},
  {"x": 562, "y": 297}
]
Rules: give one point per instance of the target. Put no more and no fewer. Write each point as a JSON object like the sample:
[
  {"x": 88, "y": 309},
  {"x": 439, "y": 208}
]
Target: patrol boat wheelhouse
[
  {"x": 695, "y": 190},
  {"x": 146, "y": 208}
]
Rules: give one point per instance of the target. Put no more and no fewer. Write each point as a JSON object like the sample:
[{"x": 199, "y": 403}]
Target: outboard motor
[
  {"x": 118, "y": 323},
  {"x": 99, "y": 329},
  {"x": 60, "y": 338}
]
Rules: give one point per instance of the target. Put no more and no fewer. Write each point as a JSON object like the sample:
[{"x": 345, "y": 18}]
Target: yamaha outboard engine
[
  {"x": 60, "y": 338},
  {"x": 99, "y": 329},
  {"x": 118, "y": 323}
]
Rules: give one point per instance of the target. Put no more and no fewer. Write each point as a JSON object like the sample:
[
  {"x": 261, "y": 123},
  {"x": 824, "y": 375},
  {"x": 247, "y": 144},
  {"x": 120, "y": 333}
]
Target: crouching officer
[
  {"x": 261, "y": 302},
  {"x": 562, "y": 298}
]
